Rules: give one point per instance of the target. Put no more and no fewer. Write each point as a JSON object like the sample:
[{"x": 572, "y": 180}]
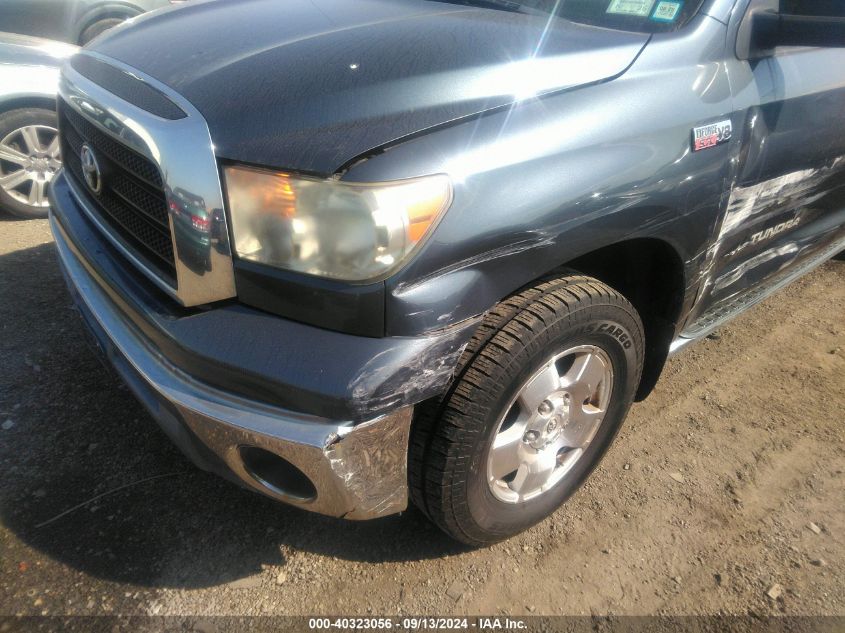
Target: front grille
[{"x": 132, "y": 202}]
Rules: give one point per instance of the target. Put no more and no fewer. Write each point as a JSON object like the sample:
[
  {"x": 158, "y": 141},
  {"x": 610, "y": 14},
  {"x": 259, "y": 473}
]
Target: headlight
[{"x": 349, "y": 231}]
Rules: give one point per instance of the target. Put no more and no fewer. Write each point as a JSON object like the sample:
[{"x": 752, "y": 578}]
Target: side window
[
  {"x": 770, "y": 26},
  {"x": 814, "y": 7}
]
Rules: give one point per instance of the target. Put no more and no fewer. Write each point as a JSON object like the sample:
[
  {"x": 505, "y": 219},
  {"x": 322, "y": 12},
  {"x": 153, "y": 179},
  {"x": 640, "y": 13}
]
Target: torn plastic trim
[{"x": 420, "y": 369}]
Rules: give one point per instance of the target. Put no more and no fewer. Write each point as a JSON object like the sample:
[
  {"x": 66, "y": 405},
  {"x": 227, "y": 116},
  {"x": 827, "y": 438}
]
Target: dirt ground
[{"x": 725, "y": 486}]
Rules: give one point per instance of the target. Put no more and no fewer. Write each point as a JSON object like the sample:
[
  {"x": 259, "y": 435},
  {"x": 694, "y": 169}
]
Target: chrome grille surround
[
  {"x": 132, "y": 203},
  {"x": 182, "y": 152}
]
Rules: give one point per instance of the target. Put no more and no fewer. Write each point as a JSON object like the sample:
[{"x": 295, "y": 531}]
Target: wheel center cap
[
  {"x": 548, "y": 428},
  {"x": 553, "y": 429}
]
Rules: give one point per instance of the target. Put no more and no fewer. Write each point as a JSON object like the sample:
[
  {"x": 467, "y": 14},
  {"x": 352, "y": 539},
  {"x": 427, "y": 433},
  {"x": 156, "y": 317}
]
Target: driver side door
[{"x": 786, "y": 206}]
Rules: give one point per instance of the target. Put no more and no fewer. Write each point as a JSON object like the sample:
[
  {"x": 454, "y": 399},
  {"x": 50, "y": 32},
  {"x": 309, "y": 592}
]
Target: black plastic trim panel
[{"x": 354, "y": 309}]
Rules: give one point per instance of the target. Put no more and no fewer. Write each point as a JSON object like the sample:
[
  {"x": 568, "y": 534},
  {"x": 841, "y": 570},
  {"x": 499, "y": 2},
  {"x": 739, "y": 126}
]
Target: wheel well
[
  {"x": 27, "y": 102},
  {"x": 650, "y": 274},
  {"x": 118, "y": 13}
]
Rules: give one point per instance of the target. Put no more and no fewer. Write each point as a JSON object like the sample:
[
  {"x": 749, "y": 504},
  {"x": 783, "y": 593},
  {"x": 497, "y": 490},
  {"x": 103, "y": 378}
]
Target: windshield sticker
[
  {"x": 640, "y": 8},
  {"x": 667, "y": 11}
]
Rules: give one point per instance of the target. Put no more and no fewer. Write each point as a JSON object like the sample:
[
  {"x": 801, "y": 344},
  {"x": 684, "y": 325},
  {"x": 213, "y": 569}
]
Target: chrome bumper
[{"x": 357, "y": 471}]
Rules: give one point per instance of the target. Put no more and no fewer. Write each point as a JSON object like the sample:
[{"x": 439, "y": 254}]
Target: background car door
[
  {"x": 786, "y": 204},
  {"x": 42, "y": 18}
]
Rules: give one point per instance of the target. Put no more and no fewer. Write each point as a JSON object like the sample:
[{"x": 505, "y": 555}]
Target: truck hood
[{"x": 312, "y": 84}]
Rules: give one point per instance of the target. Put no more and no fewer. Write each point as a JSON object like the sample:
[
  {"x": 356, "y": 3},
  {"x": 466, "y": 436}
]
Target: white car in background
[
  {"x": 29, "y": 147},
  {"x": 72, "y": 21}
]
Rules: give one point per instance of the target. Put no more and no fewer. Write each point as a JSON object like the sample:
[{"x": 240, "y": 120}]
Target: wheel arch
[{"x": 650, "y": 273}]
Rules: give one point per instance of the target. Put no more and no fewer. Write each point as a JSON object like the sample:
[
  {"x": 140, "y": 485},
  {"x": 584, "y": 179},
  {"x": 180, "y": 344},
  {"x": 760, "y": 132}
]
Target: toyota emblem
[{"x": 91, "y": 169}]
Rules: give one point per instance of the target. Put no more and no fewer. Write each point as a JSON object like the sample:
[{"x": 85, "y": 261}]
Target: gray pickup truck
[{"x": 351, "y": 253}]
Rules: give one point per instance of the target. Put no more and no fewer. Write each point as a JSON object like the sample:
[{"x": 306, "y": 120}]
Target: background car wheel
[
  {"x": 539, "y": 395},
  {"x": 29, "y": 159},
  {"x": 97, "y": 28}
]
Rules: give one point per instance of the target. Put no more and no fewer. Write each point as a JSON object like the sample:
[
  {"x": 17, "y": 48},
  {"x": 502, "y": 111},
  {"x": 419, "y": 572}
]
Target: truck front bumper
[{"x": 354, "y": 466}]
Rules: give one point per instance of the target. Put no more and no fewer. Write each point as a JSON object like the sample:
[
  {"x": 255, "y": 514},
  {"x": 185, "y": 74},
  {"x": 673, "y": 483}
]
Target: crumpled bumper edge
[{"x": 359, "y": 470}]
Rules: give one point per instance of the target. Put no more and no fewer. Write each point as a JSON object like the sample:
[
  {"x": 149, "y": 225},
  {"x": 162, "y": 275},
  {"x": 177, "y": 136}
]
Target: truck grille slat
[
  {"x": 142, "y": 201},
  {"x": 129, "y": 225},
  {"x": 127, "y": 189},
  {"x": 132, "y": 162},
  {"x": 132, "y": 202}
]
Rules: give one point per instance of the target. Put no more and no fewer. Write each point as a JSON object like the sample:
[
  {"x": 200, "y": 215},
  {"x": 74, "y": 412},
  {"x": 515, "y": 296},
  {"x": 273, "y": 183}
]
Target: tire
[
  {"x": 98, "y": 28},
  {"x": 451, "y": 458},
  {"x": 15, "y": 147}
]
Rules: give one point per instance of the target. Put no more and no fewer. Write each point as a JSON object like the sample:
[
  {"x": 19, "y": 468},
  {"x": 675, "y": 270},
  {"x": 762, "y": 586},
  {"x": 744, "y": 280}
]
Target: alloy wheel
[
  {"x": 29, "y": 160},
  {"x": 549, "y": 424}
]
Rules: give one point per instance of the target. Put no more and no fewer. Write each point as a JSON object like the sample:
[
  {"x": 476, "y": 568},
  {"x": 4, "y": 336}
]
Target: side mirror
[{"x": 768, "y": 25}]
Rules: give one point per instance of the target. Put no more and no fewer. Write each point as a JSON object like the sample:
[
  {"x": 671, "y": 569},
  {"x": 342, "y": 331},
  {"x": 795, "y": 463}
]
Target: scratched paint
[{"x": 760, "y": 216}]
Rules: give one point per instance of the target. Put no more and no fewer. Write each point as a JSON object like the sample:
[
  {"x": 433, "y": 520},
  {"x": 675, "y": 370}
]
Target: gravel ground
[{"x": 723, "y": 494}]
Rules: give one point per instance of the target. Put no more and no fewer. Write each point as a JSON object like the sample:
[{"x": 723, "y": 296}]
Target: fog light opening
[{"x": 277, "y": 474}]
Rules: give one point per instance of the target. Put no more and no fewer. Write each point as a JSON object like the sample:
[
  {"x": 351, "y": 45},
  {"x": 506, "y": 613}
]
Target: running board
[{"x": 721, "y": 314}]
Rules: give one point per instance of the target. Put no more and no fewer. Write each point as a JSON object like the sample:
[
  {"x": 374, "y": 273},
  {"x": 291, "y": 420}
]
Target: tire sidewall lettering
[{"x": 608, "y": 328}]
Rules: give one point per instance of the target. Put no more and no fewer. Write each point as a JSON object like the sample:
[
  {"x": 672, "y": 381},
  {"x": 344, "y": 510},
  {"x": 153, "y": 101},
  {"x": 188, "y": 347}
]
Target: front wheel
[{"x": 541, "y": 392}]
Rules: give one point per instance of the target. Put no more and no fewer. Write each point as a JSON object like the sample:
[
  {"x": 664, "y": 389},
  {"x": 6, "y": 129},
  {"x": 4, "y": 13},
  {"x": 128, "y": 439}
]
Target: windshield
[{"x": 645, "y": 16}]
